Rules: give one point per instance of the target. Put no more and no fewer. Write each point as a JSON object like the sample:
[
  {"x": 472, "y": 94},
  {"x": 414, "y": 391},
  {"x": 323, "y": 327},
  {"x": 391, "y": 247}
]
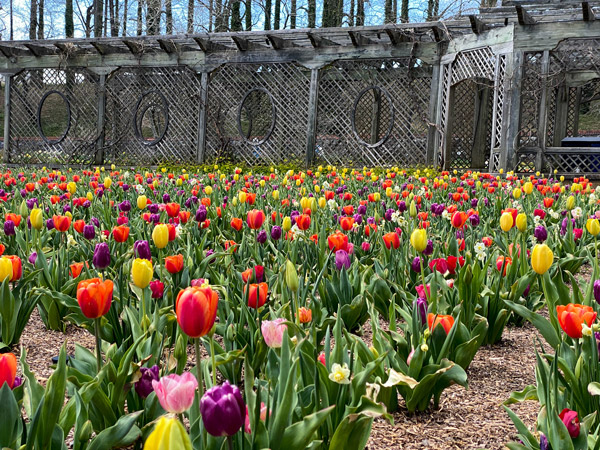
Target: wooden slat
[
  {"x": 39, "y": 50},
  {"x": 206, "y": 45},
  {"x": 134, "y": 47},
  {"x": 524, "y": 17},
  {"x": 105, "y": 49},
  {"x": 359, "y": 39},
  {"x": 477, "y": 25},
  {"x": 244, "y": 44},
  {"x": 167, "y": 45},
  {"x": 279, "y": 43},
  {"x": 319, "y": 41},
  {"x": 588, "y": 12}
]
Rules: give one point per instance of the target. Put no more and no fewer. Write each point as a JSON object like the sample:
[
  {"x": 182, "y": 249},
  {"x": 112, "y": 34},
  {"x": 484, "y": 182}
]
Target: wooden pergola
[{"x": 501, "y": 89}]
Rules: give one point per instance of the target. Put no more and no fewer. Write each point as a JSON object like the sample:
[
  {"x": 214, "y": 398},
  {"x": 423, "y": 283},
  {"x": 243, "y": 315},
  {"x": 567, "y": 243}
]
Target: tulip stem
[
  {"x": 98, "y": 343},
  {"x": 229, "y": 442},
  {"x": 198, "y": 367},
  {"x": 425, "y": 291},
  {"x": 213, "y": 359}
]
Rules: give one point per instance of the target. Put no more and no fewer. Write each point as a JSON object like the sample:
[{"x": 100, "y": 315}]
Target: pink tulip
[
  {"x": 176, "y": 392},
  {"x": 263, "y": 417},
  {"x": 272, "y": 331},
  {"x": 421, "y": 291},
  {"x": 366, "y": 246}
]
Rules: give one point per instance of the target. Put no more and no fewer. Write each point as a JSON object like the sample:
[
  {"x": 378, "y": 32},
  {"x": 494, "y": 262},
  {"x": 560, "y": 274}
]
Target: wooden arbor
[{"x": 497, "y": 90}]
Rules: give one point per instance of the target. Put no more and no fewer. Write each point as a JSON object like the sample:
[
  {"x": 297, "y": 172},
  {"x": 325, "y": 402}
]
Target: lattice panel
[
  {"x": 551, "y": 115},
  {"x": 409, "y": 87},
  {"x": 531, "y": 91},
  {"x": 497, "y": 120},
  {"x": 446, "y": 80},
  {"x": 179, "y": 87},
  {"x": 287, "y": 85},
  {"x": 526, "y": 162},
  {"x": 462, "y": 146},
  {"x": 479, "y": 63},
  {"x": 573, "y": 163},
  {"x": 578, "y": 54},
  {"x": 571, "y": 125},
  {"x": 79, "y": 88}
]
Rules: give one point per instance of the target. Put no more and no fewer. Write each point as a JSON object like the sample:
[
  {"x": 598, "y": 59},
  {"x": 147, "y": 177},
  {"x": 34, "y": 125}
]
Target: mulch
[{"x": 470, "y": 418}]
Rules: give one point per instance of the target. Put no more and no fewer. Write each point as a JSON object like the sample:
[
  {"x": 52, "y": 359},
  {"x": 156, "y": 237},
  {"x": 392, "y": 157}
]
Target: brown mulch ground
[{"x": 467, "y": 419}]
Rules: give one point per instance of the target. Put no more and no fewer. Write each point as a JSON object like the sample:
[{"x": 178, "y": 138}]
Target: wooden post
[
  {"x": 313, "y": 105},
  {"x": 101, "y": 119},
  {"x": 432, "y": 120},
  {"x": 576, "y": 112},
  {"x": 201, "y": 144},
  {"x": 512, "y": 111},
  {"x": 376, "y": 116},
  {"x": 543, "y": 120},
  {"x": 7, "y": 89},
  {"x": 562, "y": 110},
  {"x": 479, "y": 151}
]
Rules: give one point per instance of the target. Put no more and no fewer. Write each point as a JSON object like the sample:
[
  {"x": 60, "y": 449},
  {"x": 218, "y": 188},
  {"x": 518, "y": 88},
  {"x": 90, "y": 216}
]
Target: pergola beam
[
  {"x": 319, "y": 41},
  {"x": 279, "y": 43},
  {"x": 588, "y": 12},
  {"x": 134, "y": 47},
  {"x": 477, "y": 25},
  {"x": 39, "y": 50},
  {"x": 105, "y": 49},
  {"x": 167, "y": 45},
  {"x": 523, "y": 16},
  {"x": 359, "y": 40}
]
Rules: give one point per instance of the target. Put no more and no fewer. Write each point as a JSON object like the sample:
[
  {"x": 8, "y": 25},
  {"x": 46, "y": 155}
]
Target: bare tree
[
  {"x": 98, "y": 13},
  {"x": 140, "y": 8},
  {"x": 169, "y": 16},
  {"x": 153, "y": 17},
  {"x": 190, "y": 17},
  {"x": 248, "y": 15},
  {"x": 33, "y": 20},
  {"x": 277, "y": 17},
  {"x": 69, "y": 25},
  {"x": 360, "y": 13},
  {"x": 125, "y": 13},
  {"x": 40, "y": 19},
  {"x": 268, "y": 14},
  {"x": 236, "y": 18},
  {"x": 293, "y": 12},
  {"x": 312, "y": 13}
]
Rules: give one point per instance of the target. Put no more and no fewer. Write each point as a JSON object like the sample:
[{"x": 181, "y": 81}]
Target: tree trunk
[
  {"x": 429, "y": 10},
  {"x": 106, "y": 12},
  {"x": 312, "y": 13},
  {"x": 248, "y": 14},
  {"x": 40, "y": 19},
  {"x": 404, "y": 12},
  {"x": 211, "y": 9},
  {"x": 360, "y": 13},
  {"x": 267, "y": 14},
  {"x": 339, "y": 17},
  {"x": 277, "y": 17},
  {"x": 394, "y": 10},
  {"x": 89, "y": 12},
  {"x": 111, "y": 12},
  {"x": 293, "y": 9},
  {"x": 33, "y": 20},
  {"x": 236, "y": 18},
  {"x": 139, "y": 18},
  {"x": 351, "y": 14},
  {"x": 153, "y": 17},
  {"x": 190, "y": 17},
  {"x": 11, "y": 35},
  {"x": 125, "y": 12},
  {"x": 69, "y": 26},
  {"x": 388, "y": 12},
  {"x": 218, "y": 12},
  {"x": 169, "y": 16},
  {"x": 98, "y": 13}
]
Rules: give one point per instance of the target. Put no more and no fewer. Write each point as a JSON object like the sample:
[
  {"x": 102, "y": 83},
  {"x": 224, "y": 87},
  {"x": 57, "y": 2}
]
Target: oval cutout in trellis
[
  {"x": 54, "y": 117},
  {"x": 256, "y": 116},
  {"x": 151, "y": 118},
  {"x": 372, "y": 116}
]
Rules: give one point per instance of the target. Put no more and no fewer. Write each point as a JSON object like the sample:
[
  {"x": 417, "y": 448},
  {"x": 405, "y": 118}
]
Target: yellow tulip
[
  {"x": 517, "y": 193},
  {"x": 208, "y": 190},
  {"x": 71, "y": 187},
  {"x": 262, "y": 183},
  {"x": 90, "y": 196},
  {"x": 160, "y": 236},
  {"x": 287, "y": 224},
  {"x": 412, "y": 209},
  {"x": 528, "y": 187},
  {"x": 275, "y": 194},
  {"x": 506, "y": 221},
  {"x": 317, "y": 189},
  {"x": 242, "y": 196},
  {"x": 36, "y": 218},
  {"x": 141, "y": 272},
  {"x": 521, "y": 222},
  {"x": 179, "y": 182},
  {"x": 322, "y": 202},
  {"x": 107, "y": 182},
  {"x": 418, "y": 239},
  {"x": 142, "y": 201},
  {"x": 313, "y": 204},
  {"x": 68, "y": 214},
  {"x": 6, "y": 269},
  {"x": 376, "y": 196},
  {"x": 570, "y": 202},
  {"x": 541, "y": 258},
  {"x": 304, "y": 203},
  {"x": 593, "y": 226}
]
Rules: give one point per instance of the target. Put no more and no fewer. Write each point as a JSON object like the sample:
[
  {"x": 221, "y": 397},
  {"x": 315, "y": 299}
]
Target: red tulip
[
  {"x": 303, "y": 221},
  {"x": 571, "y": 421},
  {"x": 236, "y": 223},
  {"x": 347, "y": 223},
  {"x": 94, "y": 297},
  {"x": 337, "y": 241},
  {"x": 255, "y": 274},
  {"x": 174, "y": 264},
  {"x": 61, "y": 223},
  {"x": 255, "y": 219},
  {"x": 196, "y": 310},
  {"x": 391, "y": 240},
  {"x": 571, "y": 318},
  {"x": 8, "y": 369},
  {"x": 258, "y": 294},
  {"x": 459, "y": 218},
  {"x": 172, "y": 209},
  {"x": 15, "y": 218},
  {"x": 121, "y": 233},
  {"x": 433, "y": 320},
  {"x": 78, "y": 225}
]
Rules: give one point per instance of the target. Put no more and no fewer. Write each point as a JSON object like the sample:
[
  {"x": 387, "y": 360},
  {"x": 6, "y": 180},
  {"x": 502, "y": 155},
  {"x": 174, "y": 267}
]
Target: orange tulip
[
  {"x": 78, "y": 225},
  {"x": 391, "y": 240},
  {"x": 61, "y": 223},
  {"x": 500, "y": 260},
  {"x": 255, "y": 219},
  {"x": 121, "y": 233},
  {"x": 571, "y": 318},
  {"x": 8, "y": 369},
  {"x": 17, "y": 267},
  {"x": 303, "y": 221},
  {"x": 172, "y": 209},
  {"x": 196, "y": 310},
  {"x": 433, "y": 320},
  {"x": 15, "y": 218},
  {"x": 337, "y": 241},
  {"x": 258, "y": 294},
  {"x": 304, "y": 315},
  {"x": 94, "y": 297},
  {"x": 347, "y": 223},
  {"x": 459, "y": 218},
  {"x": 75, "y": 269},
  {"x": 236, "y": 223},
  {"x": 174, "y": 264}
]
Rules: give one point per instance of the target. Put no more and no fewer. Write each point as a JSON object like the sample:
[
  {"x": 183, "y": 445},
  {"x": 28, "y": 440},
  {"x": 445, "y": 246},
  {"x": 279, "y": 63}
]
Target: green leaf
[
  {"x": 299, "y": 435},
  {"x": 529, "y": 393},
  {"x": 121, "y": 434},
  {"x": 594, "y": 388},
  {"x": 11, "y": 425},
  {"x": 543, "y": 326}
]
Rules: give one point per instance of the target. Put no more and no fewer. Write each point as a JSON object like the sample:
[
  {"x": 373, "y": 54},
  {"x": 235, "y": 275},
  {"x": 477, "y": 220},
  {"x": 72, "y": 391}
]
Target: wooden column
[
  {"x": 512, "y": 111},
  {"x": 313, "y": 105},
  {"x": 562, "y": 110},
  {"x": 7, "y": 89},
  {"x": 201, "y": 143},
  {"x": 543, "y": 119},
  {"x": 376, "y": 116},
  {"x": 479, "y": 151},
  {"x": 433, "y": 115},
  {"x": 101, "y": 120}
]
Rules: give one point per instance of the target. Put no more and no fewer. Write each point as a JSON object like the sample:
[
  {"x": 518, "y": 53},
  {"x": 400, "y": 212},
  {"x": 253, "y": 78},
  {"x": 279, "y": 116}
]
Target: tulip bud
[
  {"x": 169, "y": 433},
  {"x": 418, "y": 239},
  {"x": 541, "y": 258},
  {"x": 528, "y": 187},
  {"x": 23, "y": 210},
  {"x": 570, "y": 202},
  {"x": 412, "y": 209},
  {"x": 593, "y": 226},
  {"x": 468, "y": 275},
  {"x": 517, "y": 193},
  {"x": 521, "y": 222},
  {"x": 36, "y": 218},
  {"x": 107, "y": 183},
  {"x": 287, "y": 224},
  {"x": 291, "y": 276},
  {"x": 506, "y": 221}
]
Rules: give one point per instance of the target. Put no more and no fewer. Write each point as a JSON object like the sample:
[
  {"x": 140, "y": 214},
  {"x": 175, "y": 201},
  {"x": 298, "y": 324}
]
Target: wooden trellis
[{"x": 497, "y": 90}]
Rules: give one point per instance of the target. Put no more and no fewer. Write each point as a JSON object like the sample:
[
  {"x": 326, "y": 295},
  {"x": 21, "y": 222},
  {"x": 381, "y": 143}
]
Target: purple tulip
[
  {"x": 89, "y": 232},
  {"x": 429, "y": 248},
  {"x": 153, "y": 208},
  {"x": 94, "y": 221},
  {"x": 125, "y": 206},
  {"x": 223, "y": 410},
  {"x": 358, "y": 218},
  {"x": 342, "y": 259},
  {"x": 261, "y": 237},
  {"x": 201, "y": 214},
  {"x": 597, "y": 290},
  {"x": 474, "y": 203},
  {"x": 166, "y": 198},
  {"x": 421, "y": 305},
  {"x": 540, "y": 233},
  {"x": 362, "y": 210},
  {"x": 33, "y": 258},
  {"x": 101, "y": 259},
  {"x": 474, "y": 219},
  {"x": 31, "y": 203},
  {"x": 416, "y": 265},
  {"x": 388, "y": 214},
  {"x": 9, "y": 228},
  {"x": 143, "y": 386},
  {"x": 142, "y": 250},
  {"x": 402, "y": 206},
  {"x": 50, "y": 224},
  {"x": 276, "y": 232}
]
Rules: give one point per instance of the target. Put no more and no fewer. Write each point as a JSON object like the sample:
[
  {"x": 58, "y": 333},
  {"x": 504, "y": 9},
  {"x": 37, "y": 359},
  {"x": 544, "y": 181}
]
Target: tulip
[
  {"x": 89, "y": 232},
  {"x": 433, "y": 320},
  {"x": 255, "y": 219},
  {"x": 61, "y": 223},
  {"x": 196, "y": 310},
  {"x": 174, "y": 264},
  {"x": 142, "y": 250},
  {"x": 142, "y": 202},
  {"x": 304, "y": 315},
  {"x": 418, "y": 239},
  {"x": 172, "y": 209},
  {"x": 169, "y": 433},
  {"x": 571, "y": 318},
  {"x": 421, "y": 291},
  {"x": 272, "y": 331},
  {"x": 141, "y": 272},
  {"x": 337, "y": 241},
  {"x": 6, "y": 269},
  {"x": 570, "y": 203},
  {"x": 458, "y": 219},
  {"x": 342, "y": 259},
  {"x": 541, "y": 258},
  {"x": 276, "y": 233},
  {"x": 143, "y": 385},
  {"x": 258, "y": 294},
  {"x": 421, "y": 305},
  {"x": 101, "y": 259},
  {"x": 158, "y": 288},
  {"x": 17, "y": 267},
  {"x": 286, "y": 224},
  {"x": 75, "y": 269},
  {"x": 223, "y": 410},
  {"x": 160, "y": 236},
  {"x": 347, "y": 223},
  {"x": 9, "y": 228},
  {"x": 597, "y": 291},
  {"x": 540, "y": 233},
  {"x": 120, "y": 233},
  {"x": 593, "y": 226},
  {"x": 33, "y": 258},
  {"x": 506, "y": 221},
  {"x": 36, "y": 218},
  {"x": 94, "y": 297},
  {"x": 303, "y": 222},
  {"x": 255, "y": 275},
  {"x": 521, "y": 222},
  {"x": 8, "y": 369},
  {"x": 176, "y": 392},
  {"x": 571, "y": 421}
]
